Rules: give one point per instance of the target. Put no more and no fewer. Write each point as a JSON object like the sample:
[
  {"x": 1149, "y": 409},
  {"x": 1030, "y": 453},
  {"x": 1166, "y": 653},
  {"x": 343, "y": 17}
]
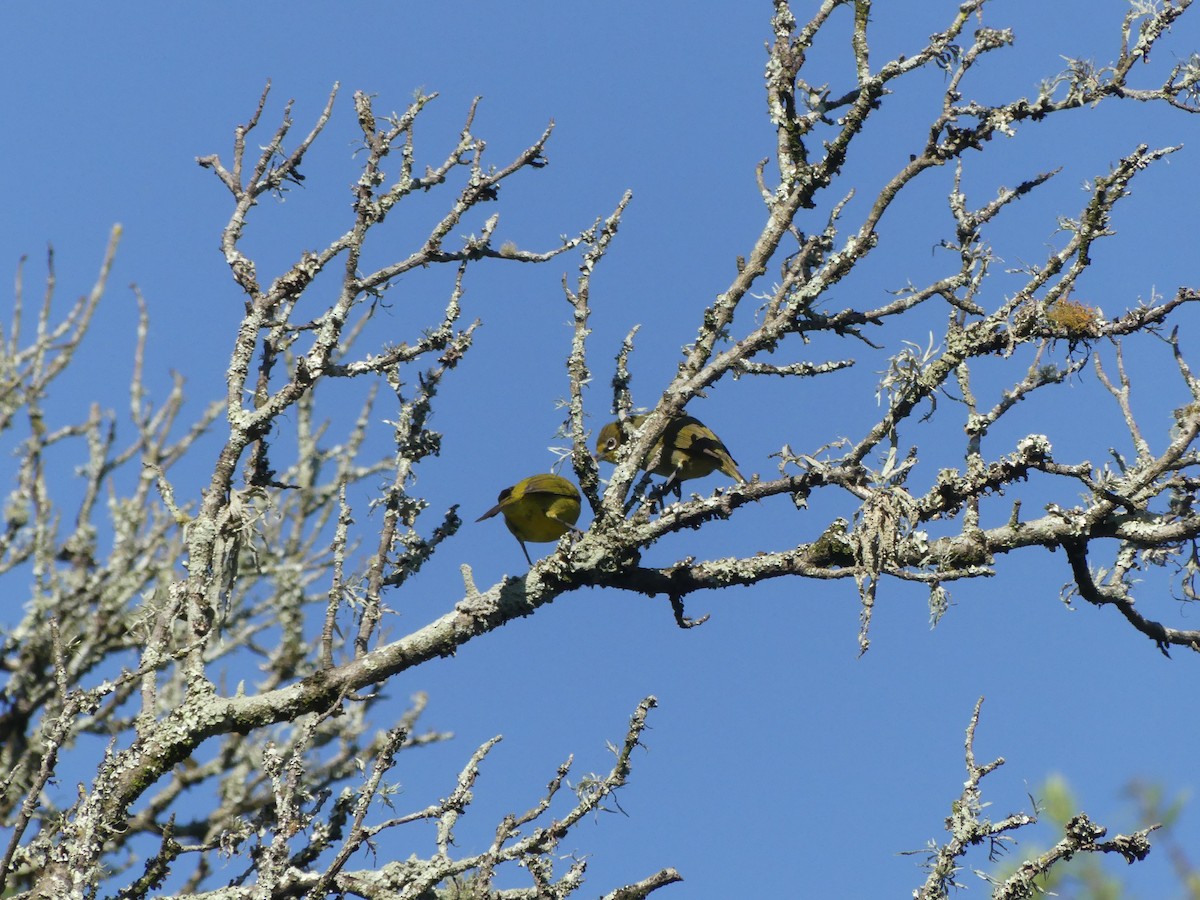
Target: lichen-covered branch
[{"x": 968, "y": 828}]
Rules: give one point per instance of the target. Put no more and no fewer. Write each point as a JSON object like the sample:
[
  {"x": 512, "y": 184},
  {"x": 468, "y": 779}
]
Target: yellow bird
[
  {"x": 695, "y": 451},
  {"x": 538, "y": 509}
]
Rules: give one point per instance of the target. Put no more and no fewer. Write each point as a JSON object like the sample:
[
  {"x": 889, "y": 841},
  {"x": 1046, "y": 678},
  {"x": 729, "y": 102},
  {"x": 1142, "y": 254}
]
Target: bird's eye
[{"x": 611, "y": 444}]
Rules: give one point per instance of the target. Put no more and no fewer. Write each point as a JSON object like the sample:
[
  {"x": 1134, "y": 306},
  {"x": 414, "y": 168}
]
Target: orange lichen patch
[{"x": 1075, "y": 318}]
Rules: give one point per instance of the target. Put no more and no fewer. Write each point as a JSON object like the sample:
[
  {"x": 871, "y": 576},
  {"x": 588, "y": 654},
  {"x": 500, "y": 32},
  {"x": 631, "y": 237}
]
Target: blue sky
[{"x": 777, "y": 757}]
